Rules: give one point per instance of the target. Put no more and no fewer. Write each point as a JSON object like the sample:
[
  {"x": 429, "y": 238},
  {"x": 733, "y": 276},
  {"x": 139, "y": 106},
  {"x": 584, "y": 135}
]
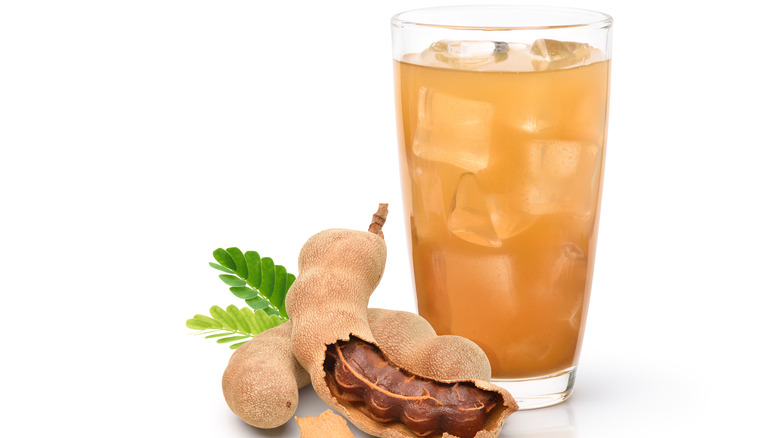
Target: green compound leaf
[
  {"x": 232, "y": 324},
  {"x": 231, "y": 339},
  {"x": 239, "y": 261},
  {"x": 241, "y": 324},
  {"x": 254, "y": 275},
  {"x": 224, "y": 259},
  {"x": 249, "y": 316},
  {"x": 267, "y": 285},
  {"x": 203, "y": 322},
  {"x": 262, "y": 284},
  {"x": 258, "y": 302},
  {"x": 221, "y": 268},
  {"x": 290, "y": 279},
  {"x": 280, "y": 287},
  {"x": 223, "y": 317},
  {"x": 219, "y": 335},
  {"x": 244, "y": 293},
  {"x": 232, "y": 280},
  {"x": 265, "y": 321}
]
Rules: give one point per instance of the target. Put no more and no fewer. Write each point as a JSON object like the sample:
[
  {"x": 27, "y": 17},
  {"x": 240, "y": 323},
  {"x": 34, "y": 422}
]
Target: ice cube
[
  {"x": 469, "y": 216},
  {"x": 556, "y": 158},
  {"x": 559, "y": 176},
  {"x": 569, "y": 258},
  {"x": 466, "y": 55},
  {"x": 453, "y": 130},
  {"x": 533, "y": 124},
  {"x": 569, "y": 271},
  {"x": 479, "y": 272},
  {"x": 509, "y": 214},
  {"x": 546, "y": 177},
  {"x": 554, "y": 54},
  {"x": 430, "y": 200},
  {"x": 530, "y": 347}
]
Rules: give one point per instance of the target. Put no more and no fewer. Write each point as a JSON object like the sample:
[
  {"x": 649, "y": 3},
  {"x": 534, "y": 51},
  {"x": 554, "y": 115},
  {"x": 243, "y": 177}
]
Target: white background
[{"x": 138, "y": 136}]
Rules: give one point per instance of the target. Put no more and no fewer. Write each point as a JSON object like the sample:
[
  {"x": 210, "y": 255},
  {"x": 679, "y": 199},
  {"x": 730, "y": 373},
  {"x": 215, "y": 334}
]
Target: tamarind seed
[{"x": 358, "y": 373}]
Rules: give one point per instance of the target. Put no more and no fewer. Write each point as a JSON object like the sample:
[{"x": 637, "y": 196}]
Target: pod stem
[{"x": 378, "y": 220}]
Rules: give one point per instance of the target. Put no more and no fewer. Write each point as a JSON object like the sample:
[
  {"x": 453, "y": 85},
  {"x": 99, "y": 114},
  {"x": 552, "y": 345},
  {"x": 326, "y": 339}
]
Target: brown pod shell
[
  {"x": 327, "y": 303},
  {"x": 338, "y": 270},
  {"x": 407, "y": 338},
  {"x": 262, "y": 378},
  {"x": 253, "y": 388}
]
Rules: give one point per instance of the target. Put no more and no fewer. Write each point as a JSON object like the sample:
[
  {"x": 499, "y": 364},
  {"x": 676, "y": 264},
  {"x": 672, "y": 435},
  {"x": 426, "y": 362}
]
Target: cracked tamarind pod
[
  {"x": 408, "y": 338},
  {"x": 262, "y": 378},
  {"x": 333, "y": 341}
]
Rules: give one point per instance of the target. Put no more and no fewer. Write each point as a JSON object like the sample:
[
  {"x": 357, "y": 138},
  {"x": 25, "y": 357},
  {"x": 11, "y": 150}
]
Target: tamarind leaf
[
  {"x": 221, "y": 268},
  {"x": 241, "y": 324},
  {"x": 271, "y": 311},
  {"x": 203, "y": 322},
  {"x": 232, "y": 280},
  {"x": 267, "y": 285},
  {"x": 266, "y": 321},
  {"x": 236, "y": 345},
  {"x": 223, "y": 317},
  {"x": 223, "y": 258},
  {"x": 219, "y": 335},
  {"x": 243, "y": 292},
  {"x": 240, "y": 261},
  {"x": 260, "y": 283},
  {"x": 276, "y": 320},
  {"x": 245, "y": 323},
  {"x": 280, "y": 284},
  {"x": 231, "y": 339},
  {"x": 258, "y": 303},
  {"x": 249, "y": 317},
  {"x": 254, "y": 274},
  {"x": 256, "y": 280},
  {"x": 261, "y": 319},
  {"x": 208, "y": 320}
]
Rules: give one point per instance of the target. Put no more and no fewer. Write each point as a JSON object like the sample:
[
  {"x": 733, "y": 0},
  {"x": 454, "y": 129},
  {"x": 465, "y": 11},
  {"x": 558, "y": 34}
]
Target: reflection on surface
[{"x": 552, "y": 422}]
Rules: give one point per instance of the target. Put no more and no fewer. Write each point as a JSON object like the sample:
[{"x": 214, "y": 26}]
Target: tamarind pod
[
  {"x": 338, "y": 271},
  {"x": 262, "y": 379},
  {"x": 407, "y": 338},
  {"x": 425, "y": 406},
  {"x": 255, "y": 393}
]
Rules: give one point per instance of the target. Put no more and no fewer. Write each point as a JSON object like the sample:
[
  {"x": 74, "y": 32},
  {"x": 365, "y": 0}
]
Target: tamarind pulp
[{"x": 359, "y": 373}]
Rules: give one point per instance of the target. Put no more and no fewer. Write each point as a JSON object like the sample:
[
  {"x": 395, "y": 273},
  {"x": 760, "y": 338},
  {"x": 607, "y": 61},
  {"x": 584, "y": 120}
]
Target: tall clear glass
[{"x": 502, "y": 114}]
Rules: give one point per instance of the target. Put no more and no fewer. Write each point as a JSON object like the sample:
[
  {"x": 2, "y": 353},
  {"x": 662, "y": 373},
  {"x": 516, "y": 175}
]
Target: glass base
[{"x": 540, "y": 392}]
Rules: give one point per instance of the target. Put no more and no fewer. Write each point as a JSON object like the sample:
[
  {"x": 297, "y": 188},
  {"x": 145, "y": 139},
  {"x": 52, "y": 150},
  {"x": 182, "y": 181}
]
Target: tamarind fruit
[
  {"x": 327, "y": 304},
  {"x": 262, "y": 378},
  {"x": 408, "y": 338}
]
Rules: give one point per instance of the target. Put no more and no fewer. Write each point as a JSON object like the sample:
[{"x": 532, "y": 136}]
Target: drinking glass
[{"x": 502, "y": 114}]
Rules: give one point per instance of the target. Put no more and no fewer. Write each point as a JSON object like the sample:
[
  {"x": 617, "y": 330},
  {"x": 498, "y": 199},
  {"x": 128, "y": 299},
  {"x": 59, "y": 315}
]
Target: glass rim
[{"x": 426, "y": 17}]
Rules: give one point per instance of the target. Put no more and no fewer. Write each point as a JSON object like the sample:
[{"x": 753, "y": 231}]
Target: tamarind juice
[{"x": 502, "y": 157}]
